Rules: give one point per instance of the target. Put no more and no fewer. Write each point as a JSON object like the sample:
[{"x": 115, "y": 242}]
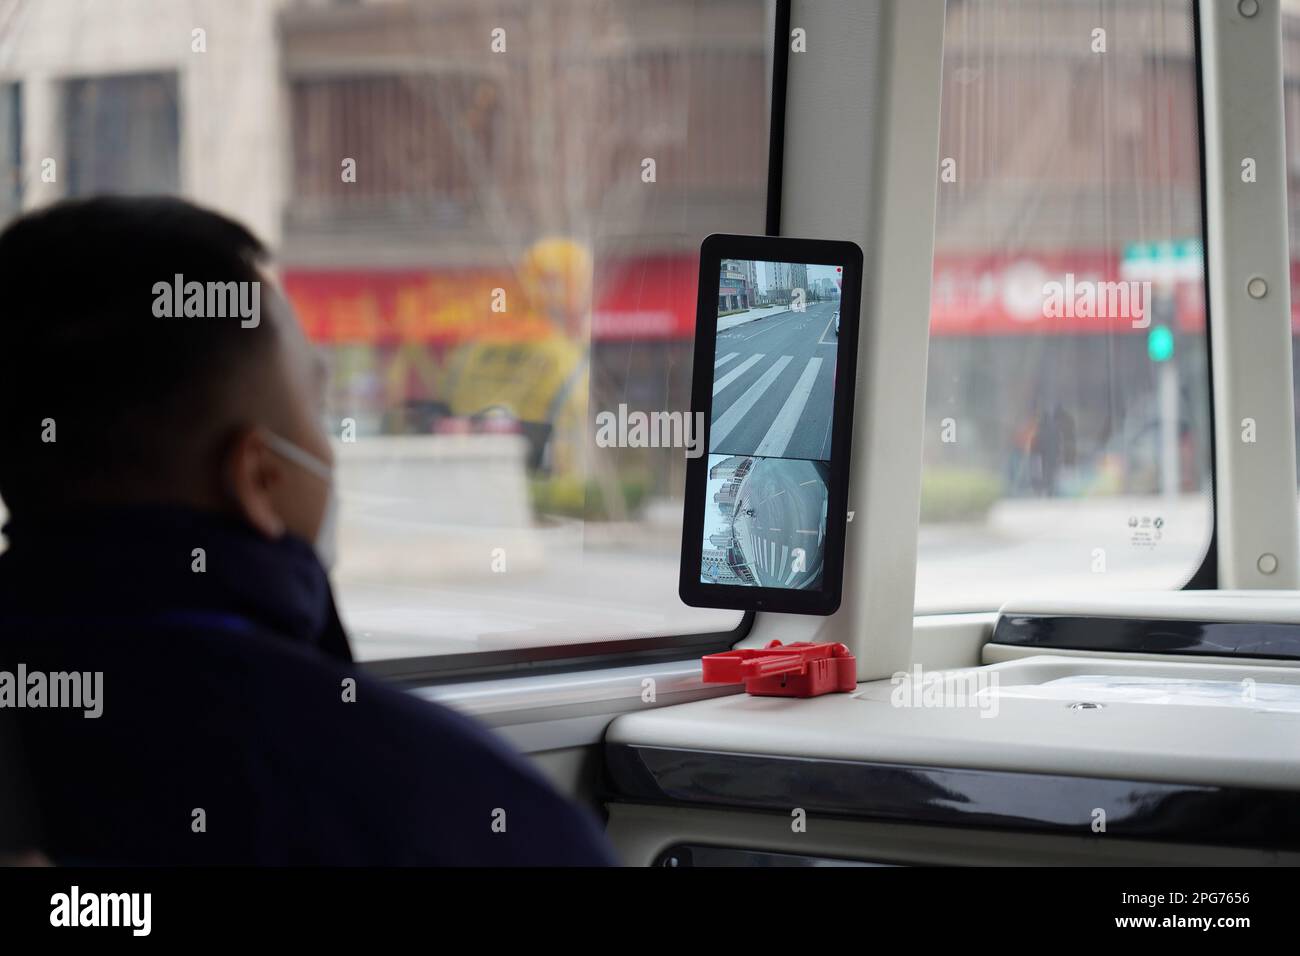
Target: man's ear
[{"x": 253, "y": 473}]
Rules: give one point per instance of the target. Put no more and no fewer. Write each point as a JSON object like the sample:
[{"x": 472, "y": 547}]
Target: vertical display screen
[{"x": 774, "y": 336}]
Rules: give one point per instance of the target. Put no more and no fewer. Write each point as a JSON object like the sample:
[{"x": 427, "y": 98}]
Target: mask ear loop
[
  {"x": 305, "y": 459},
  {"x": 325, "y": 535}
]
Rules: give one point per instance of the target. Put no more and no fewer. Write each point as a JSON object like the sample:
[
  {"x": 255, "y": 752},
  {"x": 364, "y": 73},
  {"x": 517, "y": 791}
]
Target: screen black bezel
[{"x": 825, "y": 600}]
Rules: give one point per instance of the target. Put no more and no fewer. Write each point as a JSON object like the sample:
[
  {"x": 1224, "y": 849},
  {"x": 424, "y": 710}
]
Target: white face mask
[{"x": 326, "y": 544}]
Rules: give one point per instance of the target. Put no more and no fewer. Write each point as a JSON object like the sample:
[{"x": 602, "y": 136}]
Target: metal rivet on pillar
[
  {"x": 1257, "y": 288},
  {"x": 1267, "y": 563},
  {"x": 1248, "y": 8}
]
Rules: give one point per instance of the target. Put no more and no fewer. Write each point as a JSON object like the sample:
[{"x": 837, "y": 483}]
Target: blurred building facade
[{"x": 404, "y": 156}]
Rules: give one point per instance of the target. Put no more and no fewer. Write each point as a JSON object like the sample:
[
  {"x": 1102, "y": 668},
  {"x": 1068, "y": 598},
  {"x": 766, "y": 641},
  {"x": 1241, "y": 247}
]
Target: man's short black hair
[{"x": 129, "y": 394}]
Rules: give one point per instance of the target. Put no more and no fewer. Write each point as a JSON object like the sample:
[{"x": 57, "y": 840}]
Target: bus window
[
  {"x": 1067, "y": 426},
  {"x": 491, "y": 232}
]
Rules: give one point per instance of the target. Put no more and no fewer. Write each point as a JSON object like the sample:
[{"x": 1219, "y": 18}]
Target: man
[{"x": 166, "y": 476}]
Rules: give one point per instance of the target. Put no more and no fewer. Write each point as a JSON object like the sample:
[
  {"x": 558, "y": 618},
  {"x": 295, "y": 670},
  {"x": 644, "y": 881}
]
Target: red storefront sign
[
  {"x": 644, "y": 298},
  {"x": 653, "y": 298},
  {"x": 1071, "y": 293},
  {"x": 388, "y": 307}
]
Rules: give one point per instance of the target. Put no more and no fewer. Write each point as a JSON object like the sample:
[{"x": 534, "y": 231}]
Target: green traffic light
[{"x": 1160, "y": 344}]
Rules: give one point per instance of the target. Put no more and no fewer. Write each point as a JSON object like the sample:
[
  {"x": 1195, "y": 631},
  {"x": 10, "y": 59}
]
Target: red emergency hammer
[{"x": 802, "y": 669}]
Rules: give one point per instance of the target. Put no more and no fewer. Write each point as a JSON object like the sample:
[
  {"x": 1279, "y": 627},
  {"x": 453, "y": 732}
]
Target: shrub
[
  {"x": 571, "y": 497},
  {"x": 957, "y": 494}
]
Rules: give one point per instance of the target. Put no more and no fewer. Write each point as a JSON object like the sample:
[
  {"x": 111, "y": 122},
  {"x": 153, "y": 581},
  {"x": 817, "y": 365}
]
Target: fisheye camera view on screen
[
  {"x": 769, "y": 525},
  {"x": 771, "y": 423}
]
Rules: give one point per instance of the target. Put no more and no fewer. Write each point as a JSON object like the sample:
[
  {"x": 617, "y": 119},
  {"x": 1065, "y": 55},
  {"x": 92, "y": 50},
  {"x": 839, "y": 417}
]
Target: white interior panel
[{"x": 1243, "y": 746}]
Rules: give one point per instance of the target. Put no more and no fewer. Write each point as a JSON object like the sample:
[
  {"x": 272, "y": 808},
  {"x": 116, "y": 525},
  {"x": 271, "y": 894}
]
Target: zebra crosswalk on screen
[{"x": 770, "y": 433}]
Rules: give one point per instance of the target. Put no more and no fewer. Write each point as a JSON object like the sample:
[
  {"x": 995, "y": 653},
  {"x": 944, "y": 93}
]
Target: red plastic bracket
[{"x": 802, "y": 669}]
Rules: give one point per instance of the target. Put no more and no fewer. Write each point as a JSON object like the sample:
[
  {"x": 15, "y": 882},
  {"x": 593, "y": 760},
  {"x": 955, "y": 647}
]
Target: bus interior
[{"x": 1069, "y": 609}]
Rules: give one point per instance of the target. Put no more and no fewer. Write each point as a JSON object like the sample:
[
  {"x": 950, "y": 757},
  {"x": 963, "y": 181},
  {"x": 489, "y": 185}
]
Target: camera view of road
[
  {"x": 768, "y": 524},
  {"x": 774, "y": 383}
]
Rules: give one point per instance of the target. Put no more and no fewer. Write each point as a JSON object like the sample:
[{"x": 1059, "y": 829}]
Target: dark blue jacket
[{"x": 223, "y": 691}]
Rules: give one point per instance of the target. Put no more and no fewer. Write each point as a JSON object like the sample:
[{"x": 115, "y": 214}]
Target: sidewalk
[
  {"x": 1185, "y": 517},
  {"x": 753, "y": 315}
]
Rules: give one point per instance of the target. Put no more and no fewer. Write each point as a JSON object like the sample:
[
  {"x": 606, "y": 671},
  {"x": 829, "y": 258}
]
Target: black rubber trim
[
  {"x": 556, "y": 658},
  {"x": 1112, "y": 635},
  {"x": 946, "y": 796},
  {"x": 1206, "y": 577},
  {"x": 684, "y": 855},
  {"x": 776, "y": 125}
]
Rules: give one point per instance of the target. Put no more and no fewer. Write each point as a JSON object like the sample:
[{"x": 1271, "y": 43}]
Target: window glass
[
  {"x": 1067, "y": 426},
  {"x": 122, "y": 135},
  {"x": 10, "y": 149},
  {"x": 487, "y": 213}
]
